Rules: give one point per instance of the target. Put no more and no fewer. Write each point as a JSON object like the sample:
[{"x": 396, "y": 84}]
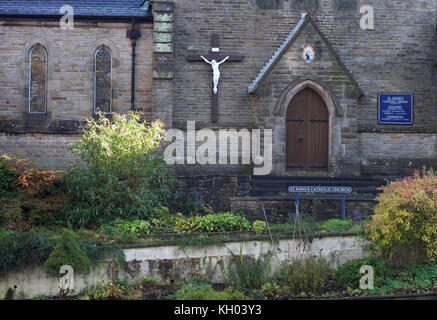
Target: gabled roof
[
  {"x": 304, "y": 20},
  {"x": 82, "y": 8}
]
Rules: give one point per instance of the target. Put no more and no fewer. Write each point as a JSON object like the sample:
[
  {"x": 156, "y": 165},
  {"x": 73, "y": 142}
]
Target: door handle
[{"x": 300, "y": 139}]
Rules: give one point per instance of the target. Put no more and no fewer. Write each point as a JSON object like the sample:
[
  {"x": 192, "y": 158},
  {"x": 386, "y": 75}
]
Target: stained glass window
[
  {"x": 103, "y": 80},
  {"x": 37, "y": 79}
]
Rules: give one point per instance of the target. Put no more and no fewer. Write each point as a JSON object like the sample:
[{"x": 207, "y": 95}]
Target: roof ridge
[{"x": 278, "y": 51}]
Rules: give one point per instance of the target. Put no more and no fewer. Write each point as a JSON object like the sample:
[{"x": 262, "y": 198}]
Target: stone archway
[
  {"x": 307, "y": 133},
  {"x": 335, "y": 112},
  {"x": 313, "y": 83}
]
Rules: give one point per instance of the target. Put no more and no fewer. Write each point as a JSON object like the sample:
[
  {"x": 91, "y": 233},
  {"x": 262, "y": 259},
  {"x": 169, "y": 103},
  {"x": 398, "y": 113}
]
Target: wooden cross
[{"x": 215, "y": 55}]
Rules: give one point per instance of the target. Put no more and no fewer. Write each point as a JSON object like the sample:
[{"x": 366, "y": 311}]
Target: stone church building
[{"x": 348, "y": 87}]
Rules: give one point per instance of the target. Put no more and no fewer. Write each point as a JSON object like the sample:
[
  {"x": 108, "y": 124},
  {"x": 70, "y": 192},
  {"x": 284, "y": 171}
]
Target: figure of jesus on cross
[
  {"x": 215, "y": 60},
  {"x": 215, "y": 69}
]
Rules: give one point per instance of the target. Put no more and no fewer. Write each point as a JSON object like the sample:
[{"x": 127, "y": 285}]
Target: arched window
[
  {"x": 103, "y": 80},
  {"x": 37, "y": 79}
]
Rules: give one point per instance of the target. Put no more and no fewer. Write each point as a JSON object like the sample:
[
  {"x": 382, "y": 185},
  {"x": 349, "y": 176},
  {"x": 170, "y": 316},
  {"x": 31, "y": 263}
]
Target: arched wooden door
[{"x": 307, "y": 132}]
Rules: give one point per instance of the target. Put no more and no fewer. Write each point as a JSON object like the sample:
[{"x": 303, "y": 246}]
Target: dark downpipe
[
  {"x": 134, "y": 45},
  {"x": 133, "y": 34}
]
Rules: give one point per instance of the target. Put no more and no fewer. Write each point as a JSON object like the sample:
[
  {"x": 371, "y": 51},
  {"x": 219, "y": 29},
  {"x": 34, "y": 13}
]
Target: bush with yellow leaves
[{"x": 404, "y": 227}]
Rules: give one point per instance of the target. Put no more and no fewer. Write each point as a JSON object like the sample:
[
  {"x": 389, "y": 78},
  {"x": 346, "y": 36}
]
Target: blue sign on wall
[{"x": 395, "y": 108}]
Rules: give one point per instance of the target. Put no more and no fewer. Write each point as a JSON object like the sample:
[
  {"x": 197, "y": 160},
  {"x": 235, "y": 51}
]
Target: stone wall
[
  {"x": 44, "y": 139},
  {"x": 396, "y": 154},
  {"x": 45, "y": 151},
  {"x": 71, "y": 65},
  {"x": 172, "y": 264},
  {"x": 331, "y": 81},
  {"x": 395, "y": 168},
  {"x": 280, "y": 211},
  {"x": 214, "y": 190},
  {"x": 397, "y": 145},
  {"x": 397, "y": 56}
]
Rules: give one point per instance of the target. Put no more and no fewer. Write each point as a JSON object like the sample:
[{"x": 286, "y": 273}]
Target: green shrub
[
  {"x": 186, "y": 288},
  {"x": 259, "y": 226},
  {"x": 18, "y": 249},
  {"x": 307, "y": 275},
  {"x": 99, "y": 250},
  {"x": 414, "y": 279},
  {"x": 67, "y": 252},
  {"x": 192, "y": 203},
  {"x": 334, "y": 225},
  {"x": 208, "y": 293},
  {"x": 306, "y": 222},
  {"x": 272, "y": 290},
  {"x": 247, "y": 273},
  {"x": 214, "y": 222},
  {"x": 149, "y": 281},
  {"x": 161, "y": 221},
  {"x": 135, "y": 228},
  {"x": 34, "y": 199},
  {"x": 404, "y": 227},
  {"x": 424, "y": 275},
  {"x": 348, "y": 275},
  {"x": 7, "y": 177},
  {"x": 126, "y": 176},
  {"x": 109, "y": 290}
]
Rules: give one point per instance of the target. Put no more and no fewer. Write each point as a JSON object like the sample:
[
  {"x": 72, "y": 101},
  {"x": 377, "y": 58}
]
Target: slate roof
[
  {"x": 268, "y": 67},
  {"x": 82, "y": 8}
]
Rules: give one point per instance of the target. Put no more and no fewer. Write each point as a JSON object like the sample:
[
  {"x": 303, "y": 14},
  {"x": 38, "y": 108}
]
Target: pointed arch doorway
[{"x": 307, "y": 132}]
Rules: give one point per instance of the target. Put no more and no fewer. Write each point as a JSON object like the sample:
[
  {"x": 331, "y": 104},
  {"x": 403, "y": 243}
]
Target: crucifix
[{"x": 215, "y": 60}]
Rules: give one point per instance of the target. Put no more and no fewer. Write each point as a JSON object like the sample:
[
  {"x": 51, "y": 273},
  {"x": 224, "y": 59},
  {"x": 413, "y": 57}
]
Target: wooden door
[{"x": 307, "y": 133}]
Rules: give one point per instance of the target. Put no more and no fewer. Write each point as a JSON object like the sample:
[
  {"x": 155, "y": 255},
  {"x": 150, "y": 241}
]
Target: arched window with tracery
[
  {"x": 103, "y": 80},
  {"x": 37, "y": 79}
]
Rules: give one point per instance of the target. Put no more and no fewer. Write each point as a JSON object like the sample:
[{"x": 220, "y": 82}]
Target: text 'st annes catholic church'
[{"x": 341, "y": 100}]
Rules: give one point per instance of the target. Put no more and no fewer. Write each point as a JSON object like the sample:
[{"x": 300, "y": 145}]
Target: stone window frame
[
  {"x": 29, "y": 78},
  {"x": 95, "y": 80}
]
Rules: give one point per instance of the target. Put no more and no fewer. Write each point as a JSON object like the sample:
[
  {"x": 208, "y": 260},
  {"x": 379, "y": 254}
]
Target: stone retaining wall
[
  {"x": 170, "y": 264},
  {"x": 279, "y": 211}
]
